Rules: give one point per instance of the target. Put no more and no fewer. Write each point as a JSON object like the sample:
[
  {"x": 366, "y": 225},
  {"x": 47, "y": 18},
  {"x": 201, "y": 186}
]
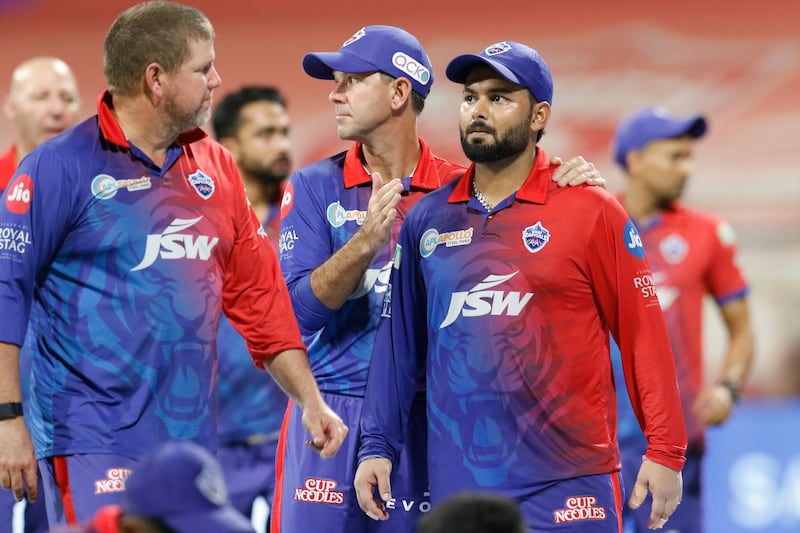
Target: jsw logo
[
  {"x": 373, "y": 278},
  {"x": 173, "y": 245},
  {"x": 479, "y": 301}
]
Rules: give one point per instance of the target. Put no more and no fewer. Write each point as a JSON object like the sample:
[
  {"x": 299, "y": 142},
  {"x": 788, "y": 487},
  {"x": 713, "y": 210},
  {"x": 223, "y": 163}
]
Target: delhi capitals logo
[
  {"x": 535, "y": 237},
  {"x": 203, "y": 184},
  {"x": 497, "y": 48}
]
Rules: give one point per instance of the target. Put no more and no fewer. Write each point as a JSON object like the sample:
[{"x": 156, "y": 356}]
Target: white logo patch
[
  {"x": 173, "y": 245},
  {"x": 479, "y": 301}
]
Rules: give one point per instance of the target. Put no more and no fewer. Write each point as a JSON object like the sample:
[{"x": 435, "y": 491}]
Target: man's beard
[
  {"x": 183, "y": 122},
  {"x": 514, "y": 142},
  {"x": 267, "y": 177}
]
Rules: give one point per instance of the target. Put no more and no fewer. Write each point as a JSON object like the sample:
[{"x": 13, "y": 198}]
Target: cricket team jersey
[
  {"x": 125, "y": 267},
  {"x": 506, "y": 315},
  {"x": 251, "y": 403},
  {"x": 324, "y": 205},
  {"x": 691, "y": 254}
]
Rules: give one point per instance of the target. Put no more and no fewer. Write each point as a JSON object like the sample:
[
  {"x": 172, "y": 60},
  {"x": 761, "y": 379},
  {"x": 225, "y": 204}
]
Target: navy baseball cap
[
  {"x": 514, "y": 61},
  {"x": 652, "y": 124},
  {"x": 388, "y": 49},
  {"x": 182, "y": 485}
]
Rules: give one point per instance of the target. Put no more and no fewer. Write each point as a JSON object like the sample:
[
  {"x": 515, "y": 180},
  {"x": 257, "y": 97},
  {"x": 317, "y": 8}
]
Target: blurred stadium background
[{"x": 738, "y": 62}]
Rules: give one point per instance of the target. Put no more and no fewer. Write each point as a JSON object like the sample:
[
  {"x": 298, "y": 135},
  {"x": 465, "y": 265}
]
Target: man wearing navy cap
[
  {"x": 340, "y": 221},
  {"x": 501, "y": 305},
  {"x": 179, "y": 488},
  {"x": 692, "y": 254}
]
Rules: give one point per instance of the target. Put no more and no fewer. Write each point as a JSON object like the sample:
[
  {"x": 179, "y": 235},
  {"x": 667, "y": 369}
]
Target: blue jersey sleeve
[
  {"x": 304, "y": 244},
  {"x": 397, "y": 368},
  {"x": 34, "y": 217}
]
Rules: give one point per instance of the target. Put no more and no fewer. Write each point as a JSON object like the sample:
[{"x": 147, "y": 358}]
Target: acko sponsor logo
[
  {"x": 633, "y": 243},
  {"x": 105, "y": 187},
  {"x": 113, "y": 482},
  {"x": 14, "y": 238},
  {"x": 579, "y": 508},
  {"x": 412, "y": 67},
  {"x": 431, "y": 239},
  {"x": 535, "y": 237},
  {"x": 316, "y": 490},
  {"x": 19, "y": 195},
  {"x": 338, "y": 215},
  {"x": 170, "y": 244},
  {"x": 480, "y": 301},
  {"x": 203, "y": 184}
]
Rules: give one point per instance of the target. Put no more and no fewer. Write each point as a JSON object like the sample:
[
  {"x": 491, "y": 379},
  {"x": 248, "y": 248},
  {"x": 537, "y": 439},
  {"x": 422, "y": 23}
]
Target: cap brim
[
  {"x": 695, "y": 126},
  {"x": 458, "y": 69},
  {"x": 321, "y": 65},
  {"x": 220, "y": 520}
]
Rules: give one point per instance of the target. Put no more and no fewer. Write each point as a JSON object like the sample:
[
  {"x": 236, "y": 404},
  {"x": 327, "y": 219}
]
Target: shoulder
[{"x": 330, "y": 168}]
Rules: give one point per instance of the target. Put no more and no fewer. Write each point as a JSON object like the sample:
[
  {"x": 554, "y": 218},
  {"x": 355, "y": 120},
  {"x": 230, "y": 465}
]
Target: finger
[
  {"x": 556, "y": 161},
  {"x": 638, "y": 494},
  {"x": 384, "y": 487},
  {"x": 31, "y": 482},
  {"x": 364, "y": 493},
  {"x": 17, "y": 486},
  {"x": 336, "y": 434}
]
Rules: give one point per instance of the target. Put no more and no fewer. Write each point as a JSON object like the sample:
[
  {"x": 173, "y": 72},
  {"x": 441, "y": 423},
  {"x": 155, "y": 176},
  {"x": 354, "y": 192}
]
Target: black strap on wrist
[
  {"x": 734, "y": 388},
  {"x": 10, "y": 410}
]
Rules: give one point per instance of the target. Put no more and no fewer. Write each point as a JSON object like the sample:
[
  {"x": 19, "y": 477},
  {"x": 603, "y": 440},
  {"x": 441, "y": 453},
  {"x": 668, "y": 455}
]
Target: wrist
[{"x": 733, "y": 387}]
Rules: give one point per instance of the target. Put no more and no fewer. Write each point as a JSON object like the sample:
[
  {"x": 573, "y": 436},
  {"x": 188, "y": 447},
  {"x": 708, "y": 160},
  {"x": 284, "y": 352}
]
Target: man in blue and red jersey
[
  {"x": 692, "y": 254},
  {"x": 128, "y": 236},
  {"x": 340, "y": 220},
  {"x": 43, "y": 101},
  {"x": 253, "y": 124},
  {"x": 500, "y": 303}
]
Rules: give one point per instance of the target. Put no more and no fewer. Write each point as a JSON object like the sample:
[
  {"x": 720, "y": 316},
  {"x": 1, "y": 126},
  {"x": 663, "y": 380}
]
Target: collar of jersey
[
  {"x": 533, "y": 190},
  {"x": 111, "y": 131},
  {"x": 425, "y": 177}
]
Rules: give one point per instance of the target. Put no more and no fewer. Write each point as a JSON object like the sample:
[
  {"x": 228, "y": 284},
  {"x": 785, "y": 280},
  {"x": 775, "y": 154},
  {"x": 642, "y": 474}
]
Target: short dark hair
[
  {"x": 226, "y": 118},
  {"x": 417, "y": 100},
  {"x": 473, "y": 512}
]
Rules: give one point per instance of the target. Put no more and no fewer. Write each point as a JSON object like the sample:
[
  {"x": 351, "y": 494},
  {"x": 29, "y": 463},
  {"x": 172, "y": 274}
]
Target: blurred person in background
[
  {"x": 178, "y": 488},
  {"x": 254, "y": 125},
  {"x": 43, "y": 101},
  {"x": 474, "y": 512},
  {"x": 692, "y": 254}
]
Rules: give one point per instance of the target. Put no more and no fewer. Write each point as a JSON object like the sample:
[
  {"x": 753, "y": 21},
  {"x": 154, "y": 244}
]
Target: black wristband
[
  {"x": 734, "y": 388},
  {"x": 10, "y": 410}
]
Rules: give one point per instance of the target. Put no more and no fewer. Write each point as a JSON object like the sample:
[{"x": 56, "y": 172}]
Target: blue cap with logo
[
  {"x": 388, "y": 49},
  {"x": 652, "y": 124},
  {"x": 182, "y": 485},
  {"x": 514, "y": 61}
]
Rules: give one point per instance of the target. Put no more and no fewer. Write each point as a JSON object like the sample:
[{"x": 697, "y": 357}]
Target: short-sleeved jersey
[
  {"x": 507, "y": 314},
  {"x": 8, "y": 164},
  {"x": 127, "y": 265},
  {"x": 691, "y": 254},
  {"x": 324, "y": 205},
  {"x": 251, "y": 403}
]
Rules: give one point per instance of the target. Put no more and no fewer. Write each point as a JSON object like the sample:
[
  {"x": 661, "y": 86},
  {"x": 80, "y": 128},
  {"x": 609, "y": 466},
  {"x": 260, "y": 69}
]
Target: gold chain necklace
[{"x": 480, "y": 197}]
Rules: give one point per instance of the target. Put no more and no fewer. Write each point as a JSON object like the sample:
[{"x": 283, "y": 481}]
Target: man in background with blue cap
[
  {"x": 340, "y": 221},
  {"x": 692, "y": 254},
  {"x": 179, "y": 488},
  {"x": 501, "y": 305}
]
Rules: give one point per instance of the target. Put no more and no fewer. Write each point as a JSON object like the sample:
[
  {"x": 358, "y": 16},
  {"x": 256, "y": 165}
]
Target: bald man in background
[{"x": 42, "y": 102}]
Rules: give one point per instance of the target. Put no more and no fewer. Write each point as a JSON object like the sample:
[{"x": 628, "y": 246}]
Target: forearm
[
  {"x": 337, "y": 278},
  {"x": 290, "y": 369},
  {"x": 10, "y": 390},
  {"x": 741, "y": 344}
]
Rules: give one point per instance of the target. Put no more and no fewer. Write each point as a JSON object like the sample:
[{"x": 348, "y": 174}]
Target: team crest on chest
[
  {"x": 203, "y": 184},
  {"x": 673, "y": 248},
  {"x": 535, "y": 237}
]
